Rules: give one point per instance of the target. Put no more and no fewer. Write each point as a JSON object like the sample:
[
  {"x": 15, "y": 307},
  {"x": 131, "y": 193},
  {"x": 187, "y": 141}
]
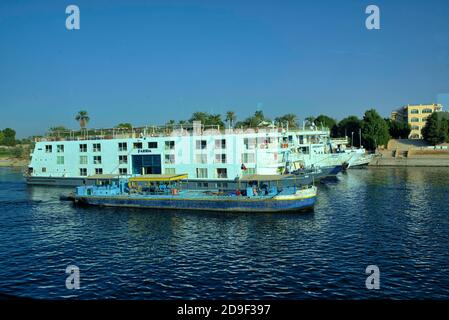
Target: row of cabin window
[
  {"x": 83, "y": 171},
  {"x": 169, "y": 145}
]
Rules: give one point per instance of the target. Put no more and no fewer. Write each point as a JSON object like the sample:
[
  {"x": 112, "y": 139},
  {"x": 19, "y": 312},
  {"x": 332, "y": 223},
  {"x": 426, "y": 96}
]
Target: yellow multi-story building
[{"x": 416, "y": 116}]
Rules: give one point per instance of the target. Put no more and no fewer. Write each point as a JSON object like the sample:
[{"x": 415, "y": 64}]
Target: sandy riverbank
[{"x": 13, "y": 162}]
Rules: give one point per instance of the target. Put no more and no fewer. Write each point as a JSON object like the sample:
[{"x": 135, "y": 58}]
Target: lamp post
[{"x": 352, "y": 138}]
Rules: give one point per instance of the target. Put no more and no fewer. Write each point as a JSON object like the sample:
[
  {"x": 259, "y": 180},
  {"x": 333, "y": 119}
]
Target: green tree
[
  {"x": 346, "y": 126},
  {"x": 289, "y": 119},
  {"x": 8, "y": 137},
  {"x": 231, "y": 118},
  {"x": 328, "y": 122},
  {"x": 17, "y": 152},
  {"x": 214, "y": 120},
  {"x": 83, "y": 118},
  {"x": 323, "y": 120},
  {"x": 310, "y": 120},
  {"x": 436, "y": 129},
  {"x": 374, "y": 130},
  {"x": 398, "y": 129},
  {"x": 200, "y": 116},
  {"x": 170, "y": 124},
  {"x": 124, "y": 125}
]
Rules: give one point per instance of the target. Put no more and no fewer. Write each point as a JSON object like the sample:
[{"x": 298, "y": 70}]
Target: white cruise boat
[{"x": 209, "y": 156}]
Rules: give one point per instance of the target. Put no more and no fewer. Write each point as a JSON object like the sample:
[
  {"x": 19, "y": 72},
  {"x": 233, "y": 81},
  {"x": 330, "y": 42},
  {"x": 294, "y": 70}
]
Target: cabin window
[
  {"x": 222, "y": 173},
  {"x": 220, "y": 158},
  {"x": 137, "y": 145},
  {"x": 248, "y": 158},
  {"x": 220, "y": 144},
  {"x": 83, "y": 159},
  {"x": 44, "y": 170},
  {"x": 169, "y": 158},
  {"x": 60, "y": 148},
  {"x": 83, "y": 172},
  {"x": 170, "y": 170},
  {"x": 97, "y": 159},
  {"x": 48, "y": 148},
  {"x": 60, "y": 160},
  {"x": 122, "y": 146},
  {"x": 250, "y": 143},
  {"x": 83, "y": 147},
  {"x": 203, "y": 185},
  {"x": 152, "y": 145},
  {"x": 96, "y": 147},
  {"x": 201, "y": 173},
  {"x": 201, "y": 144},
  {"x": 201, "y": 158},
  {"x": 122, "y": 159},
  {"x": 98, "y": 170},
  {"x": 223, "y": 185},
  {"x": 123, "y": 171},
  {"x": 169, "y": 145}
]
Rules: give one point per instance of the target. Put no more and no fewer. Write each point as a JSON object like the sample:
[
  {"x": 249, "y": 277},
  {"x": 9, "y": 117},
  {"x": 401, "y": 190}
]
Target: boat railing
[{"x": 161, "y": 131}]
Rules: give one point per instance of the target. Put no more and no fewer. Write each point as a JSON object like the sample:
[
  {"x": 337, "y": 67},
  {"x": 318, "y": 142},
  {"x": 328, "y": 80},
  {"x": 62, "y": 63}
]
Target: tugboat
[{"x": 256, "y": 193}]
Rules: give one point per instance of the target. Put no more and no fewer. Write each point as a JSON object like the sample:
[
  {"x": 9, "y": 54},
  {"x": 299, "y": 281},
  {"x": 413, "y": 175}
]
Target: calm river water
[{"x": 395, "y": 218}]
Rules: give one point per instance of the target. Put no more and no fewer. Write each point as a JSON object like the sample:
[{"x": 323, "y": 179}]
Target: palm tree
[
  {"x": 310, "y": 120},
  {"x": 83, "y": 118},
  {"x": 291, "y": 119},
  {"x": 230, "y": 117}
]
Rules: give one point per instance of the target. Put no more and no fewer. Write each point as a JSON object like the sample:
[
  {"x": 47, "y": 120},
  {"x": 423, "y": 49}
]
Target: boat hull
[{"x": 226, "y": 205}]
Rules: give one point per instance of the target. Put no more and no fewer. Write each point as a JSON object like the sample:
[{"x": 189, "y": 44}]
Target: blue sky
[{"x": 146, "y": 62}]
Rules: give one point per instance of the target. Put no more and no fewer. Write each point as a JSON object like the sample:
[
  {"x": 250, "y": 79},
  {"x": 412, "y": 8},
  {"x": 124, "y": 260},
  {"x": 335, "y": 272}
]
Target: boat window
[
  {"x": 122, "y": 159},
  {"x": 222, "y": 173},
  {"x": 137, "y": 145},
  {"x": 48, "y": 148},
  {"x": 169, "y": 158},
  {"x": 201, "y": 158},
  {"x": 122, "y": 146},
  {"x": 83, "y": 171},
  {"x": 96, "y": 147},
  {"x": 220, "y": 158},
  {"x": 169, "y": 145},
  {"x": 83, "y": 159},
  {"x": 60, "y": 160},
  {"x": 97, "y": 159},
  {"x": 60, "y": 148},
  {"x": 83, "y": 147},
  {"x": 201, "y": 172},
  {"x": 201, "y": 144},
  {"x": 220, "y": 144},
  {"x": 152, "y": 145}
]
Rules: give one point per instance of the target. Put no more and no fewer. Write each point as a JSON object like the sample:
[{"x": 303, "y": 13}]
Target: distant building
[{"x": 416, "y": 116}]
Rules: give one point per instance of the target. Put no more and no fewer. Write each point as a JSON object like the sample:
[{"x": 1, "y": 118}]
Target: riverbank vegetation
[{"x": 370, "y": 131}]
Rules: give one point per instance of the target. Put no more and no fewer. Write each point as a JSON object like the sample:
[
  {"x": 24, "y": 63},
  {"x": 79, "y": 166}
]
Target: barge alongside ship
[{"x": 255, "y": 194}]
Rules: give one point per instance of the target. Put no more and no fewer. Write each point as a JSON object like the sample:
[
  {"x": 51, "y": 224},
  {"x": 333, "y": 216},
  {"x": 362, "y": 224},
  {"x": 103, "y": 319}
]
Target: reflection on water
[{"x": 396, "y": 218}]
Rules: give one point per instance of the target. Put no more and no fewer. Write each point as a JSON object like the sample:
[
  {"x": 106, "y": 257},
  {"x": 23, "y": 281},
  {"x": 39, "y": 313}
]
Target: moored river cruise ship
[{"x": 209, "y": 156}]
